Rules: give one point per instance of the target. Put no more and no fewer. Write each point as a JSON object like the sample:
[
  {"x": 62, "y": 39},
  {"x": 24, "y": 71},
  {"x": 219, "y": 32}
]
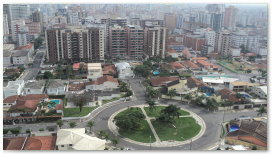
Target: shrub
[
  {"x": 51, "y": 129},
  {"x": 41, "y": 129},
  {"x": 28, "y": 131},
  {"x": 5, "y": 131},
  {"x": 15, "y": 131}
]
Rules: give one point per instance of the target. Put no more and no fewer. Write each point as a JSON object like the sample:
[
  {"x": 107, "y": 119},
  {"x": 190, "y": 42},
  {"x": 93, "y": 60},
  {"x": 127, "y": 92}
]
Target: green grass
[
  {"x": 109, "y": 100},
  {"x": 186, "y": 129},
  {"x": 142, "y": 135},
  {"x": 74, "y": 112},
  {"x": 156, "y": 111}
]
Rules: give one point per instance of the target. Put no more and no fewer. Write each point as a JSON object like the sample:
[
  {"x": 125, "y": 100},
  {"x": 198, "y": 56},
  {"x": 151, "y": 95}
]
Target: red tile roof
[
  {"x": 228, "y": 94},
  {"x": 103, "y": 79},
  {"x": 76, "y": 66},
  {"x": 59, "y": 107},
  {"x": 14, "y": 98},
  {"x": 186, "y": 53},
  {"x": 24, "y": 106},
  {"x": 109, "y": 69},
  {"x": 204, "y": 63},
  {"x": 40, "y": 143},
  {"x": 171, "y": 51},
  {"x": 159, "y": 81},
  {"x": 28, "y": 46},
  {"x": 199, "y": 58},
  {"x": 250, "y": 54},
  {"x": 194, "y": 82},
  {"x": 11, "y": 99},
  {"x": 176, "y": 65},
  {"x": 13, "y": 143},
  {"x": 190, "y": 64}
]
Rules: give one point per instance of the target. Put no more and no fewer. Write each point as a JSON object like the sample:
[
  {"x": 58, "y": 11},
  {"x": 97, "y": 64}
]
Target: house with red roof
[
  {"x": 191, "y": 66},
  {"x": 186, "y": 53},
  {"x": 164, "y": 81},
  {"x": 109, "y": 70},
  {"x": 206, "y": 65},
  {"x": 174, "y": 67},
  {"x": 103, "y": 83},
  {"x": 30, "y": 143},
  {"x": 173, "y": 53},
  {"x": 24, "y": 108},
  {"x": 194, "y": 82}
]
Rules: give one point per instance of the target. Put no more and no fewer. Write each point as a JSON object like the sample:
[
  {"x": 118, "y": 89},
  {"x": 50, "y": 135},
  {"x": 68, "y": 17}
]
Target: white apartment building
[{"x": 14, "y": 88}]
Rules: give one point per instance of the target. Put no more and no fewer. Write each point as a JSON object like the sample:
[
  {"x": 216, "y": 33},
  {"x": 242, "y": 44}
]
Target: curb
[{"x": 113, "y": 128}]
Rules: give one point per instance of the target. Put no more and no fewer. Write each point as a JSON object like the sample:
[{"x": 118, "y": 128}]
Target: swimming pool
[
  {"x": 53, "y": 103},
  {"x": 208, "y": 94},
  {"x": 156, "y": 72},
  {"x": 234, "y": 128}
]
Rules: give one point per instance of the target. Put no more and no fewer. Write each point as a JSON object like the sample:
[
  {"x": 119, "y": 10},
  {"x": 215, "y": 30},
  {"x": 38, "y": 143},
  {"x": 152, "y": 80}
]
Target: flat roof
[{"x": 94, "y": 65}]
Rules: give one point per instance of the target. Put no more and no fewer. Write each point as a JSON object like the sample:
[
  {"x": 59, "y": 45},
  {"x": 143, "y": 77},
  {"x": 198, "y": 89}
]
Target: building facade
[{"x": 75, "y": 44}]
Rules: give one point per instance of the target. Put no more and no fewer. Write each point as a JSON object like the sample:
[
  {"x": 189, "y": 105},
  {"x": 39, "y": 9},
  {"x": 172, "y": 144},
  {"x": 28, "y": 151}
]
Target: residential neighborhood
[{"x": 185, "y": 76}]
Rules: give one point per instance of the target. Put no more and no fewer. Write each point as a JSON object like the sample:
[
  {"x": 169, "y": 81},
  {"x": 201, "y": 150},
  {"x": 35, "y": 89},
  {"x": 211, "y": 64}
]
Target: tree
[
  {"x": 60, "y": 123},
  {"x": 90, "y": 124},
  {"x": 212, "y": 104},
  {"x": 171, "y": 93},
  {"x": 38, "y": 42},
  {"x": 188, "y": 97},
  {"x": 72, "y": 124},
  {"x": 101, "y": 133},
  {"x": 151, "y": 104},
  {"x": 123, "y": 87},
  {"x": 130, "y": 121},
  {"x": 248, "y": 71},
  {"x": 153, "y": 93},
  {"x": 261, "y": 111},
  {"x": 47, "y": 75},
  {"x": 169, "y": 113},
  {"x": 114, "y": 141},
  {"x": 129, "y": 93},
  {"x": 79, "y": 100}
]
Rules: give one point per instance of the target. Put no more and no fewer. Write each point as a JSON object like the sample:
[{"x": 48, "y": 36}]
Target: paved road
[
  {"x": 33, "y": 71},
  {"x": 213, "y": 121},
  {"x": 208, "y": 140}
]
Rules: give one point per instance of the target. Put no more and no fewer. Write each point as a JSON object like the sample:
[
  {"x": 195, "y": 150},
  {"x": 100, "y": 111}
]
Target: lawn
[
  {"x": 142, "y": 135},
  {"x": 186, "y": 129},
  {"x": 156, "y": 111},
  {"x": 74, "y": 112}
]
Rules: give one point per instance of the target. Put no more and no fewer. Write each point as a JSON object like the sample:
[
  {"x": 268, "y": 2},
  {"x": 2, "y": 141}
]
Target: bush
[
  {"x": 5, "y": 131},
  {"x": 51, "y": 129},
  {"x": 15, "y": 131},
  {"x": 28, "y": 131},
  {"x": 57, "y": 96},
  {"x": 41, "y": 129}
]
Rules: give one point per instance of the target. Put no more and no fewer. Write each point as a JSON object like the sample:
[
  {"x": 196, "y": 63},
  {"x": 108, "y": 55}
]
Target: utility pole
[
  {"x": 150, "y": 141},
  {"x": 191, "y": 144}
]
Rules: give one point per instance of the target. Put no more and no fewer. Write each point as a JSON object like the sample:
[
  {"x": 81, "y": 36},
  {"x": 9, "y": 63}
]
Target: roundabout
[{"x": 188, "y": 127}]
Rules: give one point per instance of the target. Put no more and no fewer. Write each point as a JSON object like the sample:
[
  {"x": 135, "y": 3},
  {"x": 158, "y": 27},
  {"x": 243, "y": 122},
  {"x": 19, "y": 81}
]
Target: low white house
[
  {"x": 76, "y": 139},
  {"x": 20, "y": 57},
  {"x": 14, "y": 88},
  {"x": 260, "y": 91},
  {"x": 56, "y": 87},
  {"x": 124, "y": 70},
  {"x": 34, "y": 87},
  {"x": 94, "y": 71},
  {"x": 103, "y": 83}
]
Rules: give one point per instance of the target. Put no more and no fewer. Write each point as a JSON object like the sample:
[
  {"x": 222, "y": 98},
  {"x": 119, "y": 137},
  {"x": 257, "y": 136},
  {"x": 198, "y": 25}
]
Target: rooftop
[
  {"x": 103, "y": 79},
  {"x": 13, "y": 143},
  {"x": 28, "y": 46},
  {"x": 94, "y": 66},
  {"x": 40, "y": 143},
  {"x": 159, "y": 81},
  {"x": 19, "y": 53},
  {"x": 243, "y": 83},
  {"x": 190, "y": 64},
  {"x": 56, "y": 83},
  {"x": 24, "y": 106},
  {"x": 35, "y": 84}
]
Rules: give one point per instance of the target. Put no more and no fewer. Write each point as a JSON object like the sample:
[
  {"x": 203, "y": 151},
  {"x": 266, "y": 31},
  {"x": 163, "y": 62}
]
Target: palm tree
[
  {"x": 90, "y": 124},
  {"x": 212, "y": 104},
  {"x": 59, "y": 123},
  {"x": 151, "y": 104},
  {"x": 72, "y": 124},
  {"x": 188, "y": 97},
  {"x": 172, "y": 93},
  {"x": 171, "y": 111},
  {"x": 261, "y": 111}
]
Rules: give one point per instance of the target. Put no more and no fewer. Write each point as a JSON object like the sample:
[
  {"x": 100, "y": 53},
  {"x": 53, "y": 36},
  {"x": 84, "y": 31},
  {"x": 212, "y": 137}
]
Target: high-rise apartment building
[
  {"x": 170, "y": 21},
  {"x": 155, "y": 41},
  {"x": 250, "y": 41},
  {"x": 19, "y": 32},
  {"x": 126, "y": 42},
  {"x": 216, "y": 21},
  {"x": 16, "y": 12},
  {"x": 230, "y": 17},
  {"x": 75, "y": 43},
  {"x": 223, "y": 43}
]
